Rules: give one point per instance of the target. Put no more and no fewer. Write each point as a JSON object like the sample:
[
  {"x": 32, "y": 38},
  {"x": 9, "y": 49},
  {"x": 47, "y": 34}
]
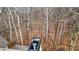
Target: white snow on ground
[
  {"x": 3, "y": 42},
  {"x": 21, "y": 47},
  {"x": 6, "y": 49},
  {"x": 16, "y": 48}
]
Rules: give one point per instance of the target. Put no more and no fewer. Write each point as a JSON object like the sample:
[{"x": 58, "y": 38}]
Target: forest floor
[{"x": 16, "y": 48}]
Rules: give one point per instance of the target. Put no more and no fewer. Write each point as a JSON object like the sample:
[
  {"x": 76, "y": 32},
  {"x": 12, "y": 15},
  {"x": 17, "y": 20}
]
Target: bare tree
[
  {"x": 28, "y": 18},
  {"x": 10, "y": 27},
  {"x": 47, "y": 23},
  {"x": 20, "y": 29},
  {"x": 13, "y": 23}
]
